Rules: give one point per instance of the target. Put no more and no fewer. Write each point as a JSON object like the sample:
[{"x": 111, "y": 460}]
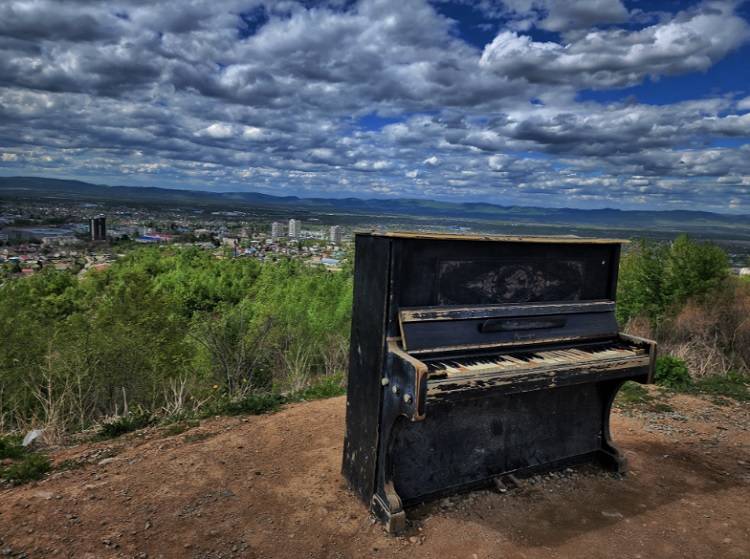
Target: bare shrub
[
  {"x": 295, "y": 367},
  {"x": 179, "y": 400},
  {"x": 236, "y": 349},
  {"x": 335, "y": 352},
  {"x": 639, "y": 326},
  {"x": 711, "y": 336}
]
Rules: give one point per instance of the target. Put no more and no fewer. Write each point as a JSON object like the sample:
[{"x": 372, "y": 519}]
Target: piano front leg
[{"x": 610, "y": 456}]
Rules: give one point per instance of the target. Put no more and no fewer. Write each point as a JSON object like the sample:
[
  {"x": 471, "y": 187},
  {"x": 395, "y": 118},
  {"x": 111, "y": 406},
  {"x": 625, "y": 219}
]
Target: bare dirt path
[{"x": 269, "y": 486}]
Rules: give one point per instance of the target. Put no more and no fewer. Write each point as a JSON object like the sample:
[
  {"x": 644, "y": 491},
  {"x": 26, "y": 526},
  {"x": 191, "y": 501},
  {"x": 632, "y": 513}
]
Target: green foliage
[
  {"x": 732, "y": 385},
  {"x": 30, "y": 467},
  {"x": 656, "y": 279},
  {"x": 25, "y": 465},
  {"x": 632, "y": 394},
  {"x": 10, "y": 447},
  {"x": 180, "y": 427},
  {"x": 252, "y": 404},
  {"x": 672, "y": 373},
  {"x": 328, "y": 386},
  {"x": 166, "y": 330},
  {"x": 125, "y": 424}
]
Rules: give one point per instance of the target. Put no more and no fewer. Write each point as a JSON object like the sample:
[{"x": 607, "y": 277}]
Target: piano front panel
[
  {"x": 470, "y": 440},
  {"x": 450, "y": 272}
]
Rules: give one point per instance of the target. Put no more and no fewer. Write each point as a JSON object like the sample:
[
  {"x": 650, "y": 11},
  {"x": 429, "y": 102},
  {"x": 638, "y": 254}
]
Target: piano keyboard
[{"x": 447, "y": 368}]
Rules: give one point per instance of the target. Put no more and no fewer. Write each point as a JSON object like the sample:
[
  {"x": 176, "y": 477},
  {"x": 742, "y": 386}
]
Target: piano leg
[
  {"x": 386, "y": 503},
  {"x": 610, "y": 456}
]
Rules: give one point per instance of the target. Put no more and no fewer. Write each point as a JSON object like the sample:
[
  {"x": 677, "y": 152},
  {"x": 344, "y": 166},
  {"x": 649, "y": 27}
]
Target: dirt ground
[{"x": 269, "y": 486}]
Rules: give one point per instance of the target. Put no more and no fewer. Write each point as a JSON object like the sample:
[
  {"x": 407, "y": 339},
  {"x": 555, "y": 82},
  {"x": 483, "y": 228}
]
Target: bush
[
  {"x": 25, "y": 465},
  {"x": 328, "y": 386},
  {"x": 31, "y": 467},
  {"x": 10, "y": 448},
  {"x": 733, "y": 385},
  {"x": 166, "y": 330},
  {"x": 125, "y": 424},
  {"x": 657, "y": 279},
  {"x": 672, "y": 373},
  {"x": 253, "y": 404}
]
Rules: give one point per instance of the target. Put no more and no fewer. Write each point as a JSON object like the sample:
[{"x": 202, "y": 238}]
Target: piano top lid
[{"x": 572, "y": 239}]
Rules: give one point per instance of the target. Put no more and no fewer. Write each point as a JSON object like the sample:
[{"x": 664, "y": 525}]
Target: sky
[{"x": 588, "y": 104}]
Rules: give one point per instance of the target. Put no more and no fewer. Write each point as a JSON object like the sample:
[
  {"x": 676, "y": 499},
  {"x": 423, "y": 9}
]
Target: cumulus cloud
[
  {"x": 247, "y": 94},
  {"x": 691, "y": 41}
]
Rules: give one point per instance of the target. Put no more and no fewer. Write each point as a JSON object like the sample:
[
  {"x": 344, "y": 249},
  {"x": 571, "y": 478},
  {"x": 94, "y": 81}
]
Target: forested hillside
[
  {"x": 178, "y": 333},
  {"x": 166, "y": 332}
]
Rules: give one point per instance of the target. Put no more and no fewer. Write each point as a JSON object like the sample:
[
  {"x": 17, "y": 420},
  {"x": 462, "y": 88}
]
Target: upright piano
[{"x": 474, "y": 358}]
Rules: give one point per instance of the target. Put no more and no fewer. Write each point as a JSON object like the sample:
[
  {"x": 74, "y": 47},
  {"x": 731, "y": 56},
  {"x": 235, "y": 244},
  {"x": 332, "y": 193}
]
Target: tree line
[
  {"x": 171, "y": 331},
  {"x": 165, "y": 331}
]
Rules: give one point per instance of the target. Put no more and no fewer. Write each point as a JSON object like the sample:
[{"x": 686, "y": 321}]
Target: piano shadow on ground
[{"x": 547, "y": 511}]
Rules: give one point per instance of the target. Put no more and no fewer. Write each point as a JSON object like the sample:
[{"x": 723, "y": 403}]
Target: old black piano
[{"x": 475, "y": 357}]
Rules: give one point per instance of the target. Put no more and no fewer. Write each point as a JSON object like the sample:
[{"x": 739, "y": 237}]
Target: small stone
[
  {"x": 105, "y": 461},
  {"x": 414, "y": 539}
]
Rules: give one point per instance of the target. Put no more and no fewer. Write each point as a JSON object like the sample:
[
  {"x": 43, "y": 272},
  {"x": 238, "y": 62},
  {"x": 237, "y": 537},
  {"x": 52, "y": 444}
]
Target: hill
[
  {"x": 35, "y": 188},
  {"x": 270, "y": 486}
]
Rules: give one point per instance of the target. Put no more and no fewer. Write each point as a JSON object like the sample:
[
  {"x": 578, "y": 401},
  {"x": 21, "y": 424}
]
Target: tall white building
[
  {"x": 335, "y": 235},
  {"x": 276, "y": 230},
  {"x": 294, "y": 228}
]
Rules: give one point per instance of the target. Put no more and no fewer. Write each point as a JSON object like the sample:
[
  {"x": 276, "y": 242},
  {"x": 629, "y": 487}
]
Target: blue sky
[{"x": 595, "y": 103}]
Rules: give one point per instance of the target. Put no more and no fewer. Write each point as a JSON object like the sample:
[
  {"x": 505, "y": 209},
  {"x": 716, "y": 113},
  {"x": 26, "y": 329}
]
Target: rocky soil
[{"x": 269, "y": 486}]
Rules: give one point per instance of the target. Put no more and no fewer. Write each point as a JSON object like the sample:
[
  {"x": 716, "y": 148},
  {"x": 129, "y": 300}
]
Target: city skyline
[{"x": 598, "y": 104}]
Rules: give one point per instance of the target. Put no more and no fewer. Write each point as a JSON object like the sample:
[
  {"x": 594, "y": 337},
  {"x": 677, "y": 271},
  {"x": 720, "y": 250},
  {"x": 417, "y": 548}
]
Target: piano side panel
[
  {"x": 468, "y": 441},
  {"x": 366, "y": 354}
]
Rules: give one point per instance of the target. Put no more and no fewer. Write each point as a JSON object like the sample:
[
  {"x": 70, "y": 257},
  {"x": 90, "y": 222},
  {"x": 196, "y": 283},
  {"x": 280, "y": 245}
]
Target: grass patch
[
  {"x": 25, "y": 465},
  {"x": 197, "y": 437},
  {"x": 69, "y": 464},
  {"x": 10, "y": 447},
  {"x": 31, "y": 467},
  {"x": 634, "y": 395},
  {"x": 328, "y": 386},
  {"x": 180, "y": 427},
  {"x": 125, "y": 424},
  {"x": 732, "y": 385},
  {"x": 254, "y": 404}
]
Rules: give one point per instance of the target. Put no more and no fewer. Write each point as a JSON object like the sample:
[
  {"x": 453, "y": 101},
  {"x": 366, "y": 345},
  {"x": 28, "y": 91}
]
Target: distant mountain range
[{"x": 44, "y": 188}]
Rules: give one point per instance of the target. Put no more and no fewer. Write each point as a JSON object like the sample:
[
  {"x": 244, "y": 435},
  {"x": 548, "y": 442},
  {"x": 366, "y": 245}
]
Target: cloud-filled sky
[{"x": 594, "y": 103}]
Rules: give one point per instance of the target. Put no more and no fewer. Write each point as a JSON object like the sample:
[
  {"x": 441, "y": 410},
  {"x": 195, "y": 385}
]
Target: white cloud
[
  {"x": 218, "y": 130},
  {"x": 171, "y": 88},
  {"x": 691, "y": 41}
]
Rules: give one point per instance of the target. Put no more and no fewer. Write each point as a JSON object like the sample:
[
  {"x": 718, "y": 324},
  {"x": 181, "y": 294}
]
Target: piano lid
[{"x": 572, "y": 239}]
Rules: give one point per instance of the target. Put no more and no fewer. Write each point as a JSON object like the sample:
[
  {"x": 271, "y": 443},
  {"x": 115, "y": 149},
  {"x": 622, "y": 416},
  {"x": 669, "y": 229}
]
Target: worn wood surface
[
  {"x": 570, "y": 239},
  {"x": 366, "y": 358}
]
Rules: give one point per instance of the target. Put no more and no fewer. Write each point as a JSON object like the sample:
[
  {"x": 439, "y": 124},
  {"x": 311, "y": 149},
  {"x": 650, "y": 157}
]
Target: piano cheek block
[{"x": 406, "y": 384}]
